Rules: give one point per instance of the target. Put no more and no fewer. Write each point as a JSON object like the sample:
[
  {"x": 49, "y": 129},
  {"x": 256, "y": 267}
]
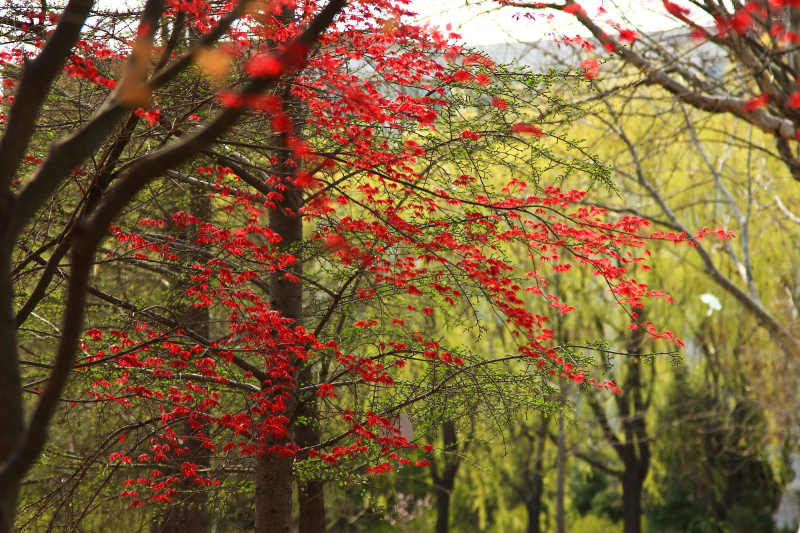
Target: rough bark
[
  {"x": 635, "y": 452},
  {"x": 288, "y": 300}
]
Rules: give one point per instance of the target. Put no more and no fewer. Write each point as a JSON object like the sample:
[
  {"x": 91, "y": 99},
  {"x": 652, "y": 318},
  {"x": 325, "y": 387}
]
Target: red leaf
[
  {"x": 264, "y": 66},
  {"x": 676, "y": 10},
  {"x": 462, "y": 76},
  {"x": 574, "y": 9},
  {"x": 527, "y": 128},
  {"x": 305, "y": 180},
  {"x": 500, "y": 104},
  {"x": 590, "y": 67},
  {"x": 483, "y": 79},
  {"x": 756, "y": 103},
  {"x": 741, "y": 22},
  {"x": 628, "y": 36}
]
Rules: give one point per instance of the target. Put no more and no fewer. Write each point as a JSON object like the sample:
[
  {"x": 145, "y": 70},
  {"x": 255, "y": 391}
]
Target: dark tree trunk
[
  {"x": 635, "y": 452},
  {"x": 534, "y": 506},
  {"x": 37, "y": 78},
  {"x": 443, "y": 483},
  {"x": 535, "y": 483},
  {"x": 273, "y": 494},
  {"x": 310, "y": 493},
  {"x": 561, "y": 466},
  {"x": 632, "y": 483},
  {"x": 11, "y": 413},
  {"x": 274, "y": 475},
  {"x": 443, "y": 505},
  {"x": 311, "y": 500}
]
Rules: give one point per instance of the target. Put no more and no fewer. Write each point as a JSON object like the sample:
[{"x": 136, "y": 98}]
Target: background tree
[{"x": 737, "y": 59}]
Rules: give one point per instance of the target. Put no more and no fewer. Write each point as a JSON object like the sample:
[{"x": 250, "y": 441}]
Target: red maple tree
[{"x": 363, "y": 183}]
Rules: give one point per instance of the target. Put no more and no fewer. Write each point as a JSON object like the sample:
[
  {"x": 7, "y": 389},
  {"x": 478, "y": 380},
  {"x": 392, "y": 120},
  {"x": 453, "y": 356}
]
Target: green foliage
[
  {"x": 596, "y": 495},
  {"x": 595, "y": 524},
  {"x": 717, "y": 475}
]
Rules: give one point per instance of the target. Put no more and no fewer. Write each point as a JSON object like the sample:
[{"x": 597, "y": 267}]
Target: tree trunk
[
  {"x": 36, "y": 81},
  {"x": 311, "y": 501},
  {"x": 274, "y": 475},
  {"x": 11, "y": 414},
  {"x": 445, "y": 482},
  {"x": 533, "y": 503},
  {"x": 635, "y": 452},
  {"x": 273, "y": 494},
  {"x": 444, "y": 490},
  {"x": 561, "y": 463},
  {"x": 310, "y": 494},
  {"x": 632, "y": 482},
  {"x": 534, "y": 506}
]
